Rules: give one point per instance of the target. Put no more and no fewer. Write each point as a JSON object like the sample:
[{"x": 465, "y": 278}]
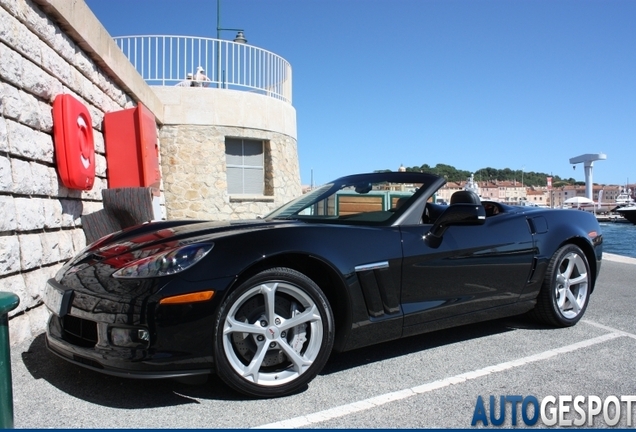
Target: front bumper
[
  {"x": 87, "y": 360},
  {"x": 81, "y": 330}
]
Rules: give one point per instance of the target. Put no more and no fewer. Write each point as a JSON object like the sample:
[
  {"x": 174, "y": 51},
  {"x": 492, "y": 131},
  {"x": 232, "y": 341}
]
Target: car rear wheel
[
  {"x": 566, "y": 288},
  {"x": 274, "y": 333}
]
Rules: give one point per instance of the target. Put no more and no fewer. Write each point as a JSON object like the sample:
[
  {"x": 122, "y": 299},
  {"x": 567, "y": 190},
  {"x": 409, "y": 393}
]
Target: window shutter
[
  {"x": 245, "y": 166},
  {"x": 233, "y": 152},
  {"x": 253, "y": 181},
  {"x": 234, "y": 180}
]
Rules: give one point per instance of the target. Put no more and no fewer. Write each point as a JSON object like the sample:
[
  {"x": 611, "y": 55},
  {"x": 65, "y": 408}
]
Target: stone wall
[
  {"x": 40, "y": 219},
  {"x": 52, "y": 47},
  {"x": 195, "y": 182}
]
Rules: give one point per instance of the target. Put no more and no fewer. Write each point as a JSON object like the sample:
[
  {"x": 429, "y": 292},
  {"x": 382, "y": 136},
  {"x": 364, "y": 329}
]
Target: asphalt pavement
[{"x": 428, "y": 381}]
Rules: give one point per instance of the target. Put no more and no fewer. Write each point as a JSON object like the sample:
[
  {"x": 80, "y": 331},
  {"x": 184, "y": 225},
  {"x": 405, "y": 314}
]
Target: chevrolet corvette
[{"x": 361, "y": 260}]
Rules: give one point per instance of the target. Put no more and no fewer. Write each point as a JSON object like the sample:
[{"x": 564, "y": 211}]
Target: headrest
[
  {"x": 400, "y": 202},
  {"x": 465, "y": 197}
]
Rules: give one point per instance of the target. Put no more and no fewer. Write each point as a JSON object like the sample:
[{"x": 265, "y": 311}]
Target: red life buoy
[{"x": 74, "y": 145}]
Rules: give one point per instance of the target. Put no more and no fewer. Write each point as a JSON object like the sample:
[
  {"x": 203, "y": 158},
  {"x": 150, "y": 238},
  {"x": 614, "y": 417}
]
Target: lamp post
[
  {"x": 8, "y": 302},
  {"x": 240, "y": 38}
]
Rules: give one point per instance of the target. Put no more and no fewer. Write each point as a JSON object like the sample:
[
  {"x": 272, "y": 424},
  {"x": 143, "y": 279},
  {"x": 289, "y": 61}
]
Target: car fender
[
  {"x": 567, "y": 226},
  {"x": 308, "y": 249}
]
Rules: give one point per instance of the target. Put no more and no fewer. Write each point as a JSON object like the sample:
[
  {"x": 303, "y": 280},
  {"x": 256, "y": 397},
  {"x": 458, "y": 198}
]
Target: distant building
[
  {"x": 501, "y": 191},
  {"x": 563, "y": 193},
  {"x": 538, "y": 196}
]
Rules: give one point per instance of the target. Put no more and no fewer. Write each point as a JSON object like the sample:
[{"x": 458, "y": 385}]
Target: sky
[{"x": 519, "y": 84}]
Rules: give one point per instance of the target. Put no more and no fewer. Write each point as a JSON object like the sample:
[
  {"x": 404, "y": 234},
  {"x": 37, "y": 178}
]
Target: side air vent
[
  {"x": 380, "y": 294},
  {"x": 538, "y": 225}
]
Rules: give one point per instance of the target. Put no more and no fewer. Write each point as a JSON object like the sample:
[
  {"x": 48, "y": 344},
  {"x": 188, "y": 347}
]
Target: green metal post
[{"x": 8, "y": 302}]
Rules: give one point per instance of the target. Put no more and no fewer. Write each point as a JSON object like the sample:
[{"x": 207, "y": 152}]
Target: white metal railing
[{"x": 167, "y": 60}]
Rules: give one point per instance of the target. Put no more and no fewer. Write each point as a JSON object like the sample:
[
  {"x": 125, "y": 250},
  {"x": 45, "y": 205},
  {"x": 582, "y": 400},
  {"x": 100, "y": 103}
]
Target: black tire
[
  {"x": 566, "y": 288},
  {"x": 268, "y": 353}
]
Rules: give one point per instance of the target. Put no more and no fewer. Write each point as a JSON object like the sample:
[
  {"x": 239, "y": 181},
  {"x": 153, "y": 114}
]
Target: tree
[{"x": 452, "y": 174}]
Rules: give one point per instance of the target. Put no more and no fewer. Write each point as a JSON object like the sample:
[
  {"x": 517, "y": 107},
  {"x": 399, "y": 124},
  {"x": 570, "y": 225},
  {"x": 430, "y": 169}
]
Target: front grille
[
  {"x": 78, "y": 331},
  {"x": 87, "y": 362}
]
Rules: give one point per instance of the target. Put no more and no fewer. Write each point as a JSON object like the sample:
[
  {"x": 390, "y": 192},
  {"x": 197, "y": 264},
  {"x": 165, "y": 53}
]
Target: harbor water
[{"x": 619, "y": 238}]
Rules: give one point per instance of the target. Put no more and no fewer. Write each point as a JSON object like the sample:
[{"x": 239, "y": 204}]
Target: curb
[{"x": 618, "y": 258}]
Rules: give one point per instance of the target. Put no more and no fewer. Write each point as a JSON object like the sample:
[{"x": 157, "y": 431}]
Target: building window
[{"x": 245, "y": 166}]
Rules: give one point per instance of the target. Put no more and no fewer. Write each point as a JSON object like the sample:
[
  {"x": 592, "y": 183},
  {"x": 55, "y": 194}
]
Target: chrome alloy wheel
[
  {"x": 272, "y": 333},
  {"x": 566, "y": 288},
  {"x": 571, "y": 287}
]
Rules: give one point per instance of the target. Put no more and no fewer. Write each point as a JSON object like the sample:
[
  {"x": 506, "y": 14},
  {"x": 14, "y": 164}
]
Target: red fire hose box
[
  {"x": 132, "y": 153},
  {"x": 74, "y": 145}
]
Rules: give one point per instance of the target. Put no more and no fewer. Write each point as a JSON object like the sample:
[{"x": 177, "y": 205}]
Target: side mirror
[
  {"x": 364, "y": 188},
  {"x": 455, "y": 215}
]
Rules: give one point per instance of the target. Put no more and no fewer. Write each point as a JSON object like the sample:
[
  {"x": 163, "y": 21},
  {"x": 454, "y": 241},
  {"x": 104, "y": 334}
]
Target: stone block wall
[
  {"x": 195, "y": 179},
  {"x": 40, "y": 219},
  {"x": 53, "y": 47}
]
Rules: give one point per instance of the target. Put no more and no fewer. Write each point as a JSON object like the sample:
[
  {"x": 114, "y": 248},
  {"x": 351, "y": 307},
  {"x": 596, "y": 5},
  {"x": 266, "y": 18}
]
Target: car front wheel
[
  {"x": 274, "y": 333},
  {"x": 566, "y": 288}
]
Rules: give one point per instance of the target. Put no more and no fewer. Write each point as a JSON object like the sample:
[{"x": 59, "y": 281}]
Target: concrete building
[
  {"x": 539, "y": 196},
  {"x": 53, "y": 47},
  {"x": 199, "y": 127}
]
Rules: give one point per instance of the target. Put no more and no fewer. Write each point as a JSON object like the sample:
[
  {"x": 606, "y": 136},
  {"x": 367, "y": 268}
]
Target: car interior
[{"x": 433, "y": 211}]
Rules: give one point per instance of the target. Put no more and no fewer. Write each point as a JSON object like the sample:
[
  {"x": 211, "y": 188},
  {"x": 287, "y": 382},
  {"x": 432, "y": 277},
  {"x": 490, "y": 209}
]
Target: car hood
[{"x": 155, "y": 237}]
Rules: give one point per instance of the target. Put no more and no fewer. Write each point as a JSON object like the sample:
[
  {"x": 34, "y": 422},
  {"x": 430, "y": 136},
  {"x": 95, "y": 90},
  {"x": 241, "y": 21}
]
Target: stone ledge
[
  {"x": 251, "y": 198},
  {"x": 226, "y": 108}
]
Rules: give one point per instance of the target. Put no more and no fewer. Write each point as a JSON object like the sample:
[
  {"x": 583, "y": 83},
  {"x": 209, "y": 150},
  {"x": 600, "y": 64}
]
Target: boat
[
  {"x": 471, "y": 185},
  {"x": 624, "y": 198},
  {"x": 628, "y": 212}
]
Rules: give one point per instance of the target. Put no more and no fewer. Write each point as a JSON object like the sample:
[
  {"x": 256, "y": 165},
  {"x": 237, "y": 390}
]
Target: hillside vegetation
[{"x": 530, "y": 178}]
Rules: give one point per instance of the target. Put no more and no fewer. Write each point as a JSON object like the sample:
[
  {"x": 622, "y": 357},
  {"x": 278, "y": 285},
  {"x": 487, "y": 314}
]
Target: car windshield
[{"x": 362, "y": 198}]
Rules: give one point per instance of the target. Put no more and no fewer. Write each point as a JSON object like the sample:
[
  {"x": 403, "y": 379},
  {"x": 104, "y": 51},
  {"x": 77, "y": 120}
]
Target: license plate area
[{"x": 57, "y": 300}]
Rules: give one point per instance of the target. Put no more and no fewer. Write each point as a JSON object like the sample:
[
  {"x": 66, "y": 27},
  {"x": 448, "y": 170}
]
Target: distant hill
[{"x": 453, "y": 174}]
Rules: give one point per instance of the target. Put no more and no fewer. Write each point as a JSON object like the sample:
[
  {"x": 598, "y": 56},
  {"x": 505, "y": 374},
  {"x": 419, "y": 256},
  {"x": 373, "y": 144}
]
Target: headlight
[{"x": 166, "y": 263}]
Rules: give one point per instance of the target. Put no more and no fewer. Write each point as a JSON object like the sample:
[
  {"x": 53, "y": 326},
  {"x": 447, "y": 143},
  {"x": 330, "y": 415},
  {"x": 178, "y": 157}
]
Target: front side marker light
[{"x": 188, "y": 298}]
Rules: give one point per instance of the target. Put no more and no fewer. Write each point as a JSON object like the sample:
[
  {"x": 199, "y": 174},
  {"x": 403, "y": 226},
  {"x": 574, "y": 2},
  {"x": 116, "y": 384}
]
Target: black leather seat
[
  {"x": 465, "y": 197},
  {"x": 400, "y": 202}
]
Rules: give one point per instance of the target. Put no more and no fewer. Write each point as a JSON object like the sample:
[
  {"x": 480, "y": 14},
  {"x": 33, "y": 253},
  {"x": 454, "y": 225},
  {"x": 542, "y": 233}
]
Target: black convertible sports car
[{"x": 364, "y": 259}]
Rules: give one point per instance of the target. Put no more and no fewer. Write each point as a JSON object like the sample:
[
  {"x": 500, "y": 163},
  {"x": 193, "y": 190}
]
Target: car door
[{"x": 474, "y": 268}]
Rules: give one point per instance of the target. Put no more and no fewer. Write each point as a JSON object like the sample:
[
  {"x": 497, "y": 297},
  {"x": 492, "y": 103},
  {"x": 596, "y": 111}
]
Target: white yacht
[
  {"x": 471, "y": 185},
  {"x": 624, "y": 198}
]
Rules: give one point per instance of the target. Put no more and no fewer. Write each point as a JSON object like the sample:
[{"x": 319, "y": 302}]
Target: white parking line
[
  {"x": 612, "y": 329},
  {"x": 376, "y": 401}
]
